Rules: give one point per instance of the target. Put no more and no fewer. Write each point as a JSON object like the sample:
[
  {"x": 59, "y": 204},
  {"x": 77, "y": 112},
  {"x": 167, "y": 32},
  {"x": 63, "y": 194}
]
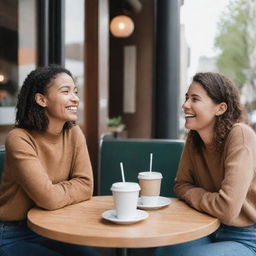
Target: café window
[
  {"x": 17, "y": 55},
  {"x": 74, "y": 47}
]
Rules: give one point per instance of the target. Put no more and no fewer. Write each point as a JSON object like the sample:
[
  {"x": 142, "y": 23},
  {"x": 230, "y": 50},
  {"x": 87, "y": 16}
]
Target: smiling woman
[
  {"x": 47, "y": 162},
  {"x": 217, "y": 170},
  {"x": 60, "y": 102}
]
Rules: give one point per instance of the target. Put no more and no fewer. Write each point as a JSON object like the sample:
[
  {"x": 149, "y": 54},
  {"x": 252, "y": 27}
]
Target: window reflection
[
  {"x": 17, "y": 55},
  {"x": 8, "y": 52},
  {"x": 74, "y": 46}
]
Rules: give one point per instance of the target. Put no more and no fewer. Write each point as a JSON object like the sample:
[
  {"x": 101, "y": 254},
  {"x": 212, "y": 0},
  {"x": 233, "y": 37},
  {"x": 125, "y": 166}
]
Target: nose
[
  {"x": 186, "y": 104},
  {"x": 74, "y": 97}
]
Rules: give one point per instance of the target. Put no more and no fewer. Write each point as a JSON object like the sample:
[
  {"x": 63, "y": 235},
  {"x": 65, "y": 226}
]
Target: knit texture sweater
[
  {"x": 222, "y": 184},
  {"x": 45, "y": 170}
]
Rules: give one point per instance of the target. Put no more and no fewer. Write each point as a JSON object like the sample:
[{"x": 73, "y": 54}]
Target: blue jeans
[
  {"x": 16, "y": 239},
  {"x": 226, "y": 241}
]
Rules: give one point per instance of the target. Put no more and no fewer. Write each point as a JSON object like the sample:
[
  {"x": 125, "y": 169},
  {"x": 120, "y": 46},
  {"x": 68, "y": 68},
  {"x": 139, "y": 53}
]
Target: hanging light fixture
[
  {"x": 2, "y": 78},
  {"x": 121, "y": 26}
]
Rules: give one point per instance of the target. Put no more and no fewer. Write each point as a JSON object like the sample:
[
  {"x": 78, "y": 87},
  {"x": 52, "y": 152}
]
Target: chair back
[
  {"x": 2, "y": 154},
  {"x": 135, "y": 155}
]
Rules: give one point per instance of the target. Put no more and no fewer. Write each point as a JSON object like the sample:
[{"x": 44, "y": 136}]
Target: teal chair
[
  {"x": 135, "y": 155},
  {"x": 2, "y": 153}
]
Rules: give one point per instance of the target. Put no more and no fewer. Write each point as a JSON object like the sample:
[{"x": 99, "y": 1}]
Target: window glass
[
  {"x": 17, "y": 55},
  {"x": 74, "y": 47}
]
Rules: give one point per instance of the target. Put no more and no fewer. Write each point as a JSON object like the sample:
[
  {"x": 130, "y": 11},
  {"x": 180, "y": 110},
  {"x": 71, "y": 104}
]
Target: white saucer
[
  {"x": 162, "y": 201},
  {"x": 111, "y": 216}
]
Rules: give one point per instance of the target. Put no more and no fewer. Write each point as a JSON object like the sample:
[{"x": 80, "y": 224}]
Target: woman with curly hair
[
  {"x": 46, "y": 164},
  {"x": 217, "y": 171}
]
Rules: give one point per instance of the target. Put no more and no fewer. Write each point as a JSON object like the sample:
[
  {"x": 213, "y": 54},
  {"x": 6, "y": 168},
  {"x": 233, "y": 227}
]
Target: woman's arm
[
  {"x": 226, "y": 204},
  {"x": 29, "y": 172},
  {"x": 186, "y": 186},
  {"x": 80, "y": 182}
]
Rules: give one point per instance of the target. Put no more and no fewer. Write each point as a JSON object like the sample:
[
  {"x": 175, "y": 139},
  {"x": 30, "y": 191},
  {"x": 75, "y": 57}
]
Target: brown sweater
[
  {"x": 50, "y": 171},
  {"x": 222, "y": 184}
]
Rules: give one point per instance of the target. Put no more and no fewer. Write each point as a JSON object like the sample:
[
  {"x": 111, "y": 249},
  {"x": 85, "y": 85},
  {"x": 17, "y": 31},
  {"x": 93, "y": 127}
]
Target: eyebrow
[
  {"x": 67, "y": 86},
  {"x": 193, "y": 95}
]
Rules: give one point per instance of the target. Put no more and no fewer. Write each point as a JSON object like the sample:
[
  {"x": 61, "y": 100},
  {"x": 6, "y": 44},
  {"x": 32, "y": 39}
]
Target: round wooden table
[{"x": 82, "y": 224}]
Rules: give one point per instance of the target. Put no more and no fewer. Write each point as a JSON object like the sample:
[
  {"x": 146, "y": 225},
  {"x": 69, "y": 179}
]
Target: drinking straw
[
  {"x": 122, "y": 171},
  {"x": 151, "y": 158}
]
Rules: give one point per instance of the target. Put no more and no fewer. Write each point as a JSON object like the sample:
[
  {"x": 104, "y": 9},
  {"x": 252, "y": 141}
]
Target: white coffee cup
[
  {"x": 125, "y": 196},
  {"x": 150, "y": 184}
]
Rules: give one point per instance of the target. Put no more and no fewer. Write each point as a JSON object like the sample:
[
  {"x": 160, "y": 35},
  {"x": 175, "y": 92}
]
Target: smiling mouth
[
  {"x": 72, "y": 108},
  {"x": 189, "y": 116}
]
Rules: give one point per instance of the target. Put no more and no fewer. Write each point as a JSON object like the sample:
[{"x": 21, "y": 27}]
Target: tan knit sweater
[
  {"x": 46, "y": 170},
  {"x": 222, "y": 185}
]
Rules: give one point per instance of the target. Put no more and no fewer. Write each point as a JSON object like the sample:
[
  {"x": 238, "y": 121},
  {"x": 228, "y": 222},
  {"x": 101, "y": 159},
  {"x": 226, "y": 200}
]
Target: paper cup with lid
[
  {"x": 125, "y": 196},
  {"x": 150, "y": 184}
]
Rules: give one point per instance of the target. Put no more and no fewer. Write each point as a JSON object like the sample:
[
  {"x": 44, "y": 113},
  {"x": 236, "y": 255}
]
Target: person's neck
[
  {"x": 54, "y": 130},
  {"x": 207, "y": 138}
]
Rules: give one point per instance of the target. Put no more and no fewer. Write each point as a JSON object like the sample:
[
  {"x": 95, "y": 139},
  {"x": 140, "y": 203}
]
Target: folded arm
[
  {"x": 29, "y": 172},
  {"x": 226, "y": 203}
]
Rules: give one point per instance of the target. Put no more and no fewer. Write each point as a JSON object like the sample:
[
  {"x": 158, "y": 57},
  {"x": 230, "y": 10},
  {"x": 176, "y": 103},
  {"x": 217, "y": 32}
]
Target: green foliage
[
  {"x": 115, "y": 121},
  {"x": 235, "y": 41}
]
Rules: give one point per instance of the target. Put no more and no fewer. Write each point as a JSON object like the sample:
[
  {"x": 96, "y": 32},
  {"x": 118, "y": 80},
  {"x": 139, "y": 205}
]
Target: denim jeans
[
  {"x": 16, "y": 239},
  {"x": 226, "y": 241}
]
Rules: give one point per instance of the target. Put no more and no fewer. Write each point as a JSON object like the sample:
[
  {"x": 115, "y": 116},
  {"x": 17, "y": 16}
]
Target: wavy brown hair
[
  {"x": 220, "y": 89},
  {"x": 29, "y": 114}
]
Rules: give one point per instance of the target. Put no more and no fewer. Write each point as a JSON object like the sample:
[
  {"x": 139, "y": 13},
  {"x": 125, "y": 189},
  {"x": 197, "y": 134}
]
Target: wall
[{"x": 138, "y": 124}]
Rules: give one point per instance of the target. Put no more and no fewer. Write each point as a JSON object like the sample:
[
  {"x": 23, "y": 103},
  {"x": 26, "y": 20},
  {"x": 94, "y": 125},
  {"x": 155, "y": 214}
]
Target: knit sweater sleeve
[
  {"x": 79, "y": 187},
  {"x": 30, "y": 173},
  {"x": 186, "y": 187},
  {"x": 227, "y": 202}
]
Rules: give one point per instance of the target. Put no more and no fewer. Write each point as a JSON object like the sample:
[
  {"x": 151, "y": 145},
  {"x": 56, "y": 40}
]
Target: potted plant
[{"x": 115, "y": 124}]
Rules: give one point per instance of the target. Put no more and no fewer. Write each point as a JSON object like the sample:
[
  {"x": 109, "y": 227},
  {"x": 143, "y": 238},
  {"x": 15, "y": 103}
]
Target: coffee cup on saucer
[
  {"x": 150, "y": 184},
  {"x": 125, "y": 196}
]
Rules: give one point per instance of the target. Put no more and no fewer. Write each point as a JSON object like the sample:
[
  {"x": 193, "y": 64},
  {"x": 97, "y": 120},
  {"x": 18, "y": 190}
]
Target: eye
[
  {"x": 65, "y": 91},
  {"x": 76, "y": 91}
]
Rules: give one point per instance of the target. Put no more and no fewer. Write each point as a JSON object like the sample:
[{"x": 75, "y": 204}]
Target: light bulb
[
  {"x": 2, "y": 78},
  {"x": 121, "y": 26}
]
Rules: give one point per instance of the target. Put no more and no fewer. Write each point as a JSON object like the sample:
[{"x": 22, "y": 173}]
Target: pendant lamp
[{"x": 121, "y": 26}]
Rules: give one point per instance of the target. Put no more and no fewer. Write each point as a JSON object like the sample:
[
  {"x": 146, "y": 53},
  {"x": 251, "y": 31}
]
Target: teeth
[
  {"x": 189, "y": 115},
  {"x": 72, "y": 108}
]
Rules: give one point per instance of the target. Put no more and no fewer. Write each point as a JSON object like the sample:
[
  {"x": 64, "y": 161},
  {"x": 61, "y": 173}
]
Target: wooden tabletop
[{"x": 82, "y": 224}]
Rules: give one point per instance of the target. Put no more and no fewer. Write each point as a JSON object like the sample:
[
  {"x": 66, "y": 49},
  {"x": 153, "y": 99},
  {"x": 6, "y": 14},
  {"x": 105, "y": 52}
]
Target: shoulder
[
  {"x": 75, "y": 134},
  {"x": 18, "y": 133},
  {"x": 19, "y": 138},
  {"x": 242, "y": 129},
  {"x": 75, "y": 131},
  {"x": 243, "y": 134}
]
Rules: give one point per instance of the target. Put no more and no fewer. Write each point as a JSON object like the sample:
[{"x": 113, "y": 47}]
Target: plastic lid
[
  {"x": 150, "y": 175},
  {"x": 125, "y": 186}
]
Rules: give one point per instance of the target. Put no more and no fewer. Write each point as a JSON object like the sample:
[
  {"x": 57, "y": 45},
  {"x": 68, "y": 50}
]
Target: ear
[
  {"x": 221, "y": 108},
  {"x": 40, "y": 100}
]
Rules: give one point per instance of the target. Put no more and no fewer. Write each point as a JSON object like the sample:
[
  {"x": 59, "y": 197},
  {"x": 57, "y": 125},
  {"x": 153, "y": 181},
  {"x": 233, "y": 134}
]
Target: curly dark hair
[
  {"x": 220, "y": 89},
  {"x": 29, "y": 114}
]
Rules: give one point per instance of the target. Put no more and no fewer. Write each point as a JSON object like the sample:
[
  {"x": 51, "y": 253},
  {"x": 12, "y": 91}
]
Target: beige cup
[
  {"x": 150, "y": 184},
  {"x": 126, "y": 196}
]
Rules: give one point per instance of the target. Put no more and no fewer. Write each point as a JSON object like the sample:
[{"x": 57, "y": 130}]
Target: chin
[
  {"x": 190, "y": 125},
  {"x": 72, "y": 119},
  {"x": 187, "y": 126}
]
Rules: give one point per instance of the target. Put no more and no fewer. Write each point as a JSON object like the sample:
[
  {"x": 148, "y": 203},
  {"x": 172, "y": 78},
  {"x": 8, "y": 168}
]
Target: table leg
[{"x": 122, "y": 252}]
